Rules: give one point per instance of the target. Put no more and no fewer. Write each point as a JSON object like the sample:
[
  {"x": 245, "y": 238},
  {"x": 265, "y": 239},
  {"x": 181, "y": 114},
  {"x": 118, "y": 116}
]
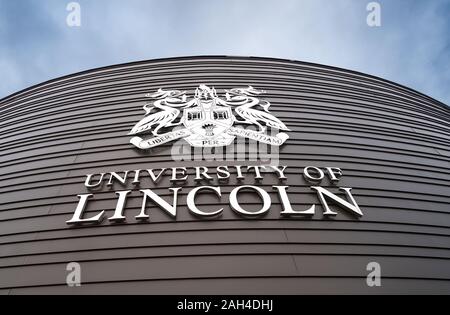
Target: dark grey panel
[
  {"x": 391, "y": 142},
  {"x": 250, "y": 286}
]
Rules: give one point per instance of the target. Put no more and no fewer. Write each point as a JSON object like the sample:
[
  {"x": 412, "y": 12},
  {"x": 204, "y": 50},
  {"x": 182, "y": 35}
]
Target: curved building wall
[{"x": 391, "y": 142}]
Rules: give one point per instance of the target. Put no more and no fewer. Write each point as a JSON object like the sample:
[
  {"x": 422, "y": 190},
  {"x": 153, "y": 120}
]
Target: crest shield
[{"x": 208, "y": 123}]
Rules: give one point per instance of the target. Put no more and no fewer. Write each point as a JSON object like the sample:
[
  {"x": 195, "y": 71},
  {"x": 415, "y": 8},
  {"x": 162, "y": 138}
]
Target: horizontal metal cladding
[{"x": 391, "y": 142}]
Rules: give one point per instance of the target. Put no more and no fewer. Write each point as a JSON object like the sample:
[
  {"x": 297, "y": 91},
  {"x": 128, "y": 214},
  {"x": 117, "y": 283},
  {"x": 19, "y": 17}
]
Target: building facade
[{"x": 349, "y": 142}]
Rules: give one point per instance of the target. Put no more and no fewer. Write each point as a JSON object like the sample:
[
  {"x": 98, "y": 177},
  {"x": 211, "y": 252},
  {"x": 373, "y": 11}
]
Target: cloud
[{"x": 411, "y": 47}]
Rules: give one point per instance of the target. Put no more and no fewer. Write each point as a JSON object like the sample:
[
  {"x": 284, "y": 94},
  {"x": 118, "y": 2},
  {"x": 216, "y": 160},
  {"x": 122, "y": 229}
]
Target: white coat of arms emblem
[{"x": 208, "y": 120}]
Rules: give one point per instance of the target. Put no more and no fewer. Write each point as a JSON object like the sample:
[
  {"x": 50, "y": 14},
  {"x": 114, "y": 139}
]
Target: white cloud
[{"x": 411, "y": 47}]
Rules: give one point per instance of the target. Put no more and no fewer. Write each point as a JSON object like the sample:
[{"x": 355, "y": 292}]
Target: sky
[{"x": 410, "y": 47}]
